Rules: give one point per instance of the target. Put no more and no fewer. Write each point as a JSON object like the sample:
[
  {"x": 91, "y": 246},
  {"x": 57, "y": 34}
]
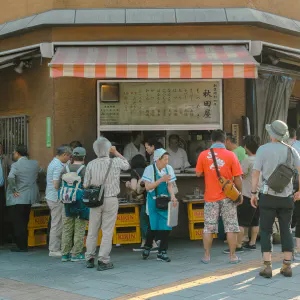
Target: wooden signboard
[{"x": 164, "y": 103}]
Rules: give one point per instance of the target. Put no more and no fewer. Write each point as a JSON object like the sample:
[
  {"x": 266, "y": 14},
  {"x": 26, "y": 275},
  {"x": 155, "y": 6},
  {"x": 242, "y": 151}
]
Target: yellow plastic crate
[
  {"x": 128, "y": 215},
  {"x": 127, "y": 235},
  {"x": 196, "y": 231},
  {"x": 99, "y": 237},
  {"x": 39, "y": 217},
  {"x": 196, "y": 212},
  {"x": 37, "y": 237}
]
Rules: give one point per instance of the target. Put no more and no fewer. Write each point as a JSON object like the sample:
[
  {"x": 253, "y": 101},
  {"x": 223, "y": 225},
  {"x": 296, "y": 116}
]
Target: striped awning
[{"x": 154, "y": 62}]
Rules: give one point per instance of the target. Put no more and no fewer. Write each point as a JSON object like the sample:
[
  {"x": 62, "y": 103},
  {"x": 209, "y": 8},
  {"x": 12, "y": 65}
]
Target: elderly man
[
  {"x": 273, "y": 203},
  {"x": 5, "y": 163},
  {"x": 63, "y": 155},
  {"x": 103, "y": 170}
]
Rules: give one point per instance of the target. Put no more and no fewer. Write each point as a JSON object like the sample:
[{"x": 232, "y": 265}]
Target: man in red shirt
[{"x": 216, "y": 202}]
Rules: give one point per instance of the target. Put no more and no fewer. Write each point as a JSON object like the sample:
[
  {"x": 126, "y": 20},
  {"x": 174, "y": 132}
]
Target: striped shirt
[
  {"x": 53, "y": 173},
  {"x": 96, "y": 170}
]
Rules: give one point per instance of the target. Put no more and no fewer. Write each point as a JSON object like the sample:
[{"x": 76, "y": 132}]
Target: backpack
[
  {"x": 283, "y": 174},
  {"x": 71, "y": 187}
]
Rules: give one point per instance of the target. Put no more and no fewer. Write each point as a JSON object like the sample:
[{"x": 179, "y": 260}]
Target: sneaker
[
  {"x": 90, "y": 263},
  {"x": 296, "y": 256},
  {"x": 163, "y": 256},
  {"x": 78, "y": 257},
  {"x": 249, "y": 247},
  {"x": 66, "y": 258},
  {"x": 237, "y": 250},
  {"x": 139, "y": 249},
  {"x": 103, "y": 267},
  {"x": 146, "y": 253},
  {"x": 55, "y": 254}
]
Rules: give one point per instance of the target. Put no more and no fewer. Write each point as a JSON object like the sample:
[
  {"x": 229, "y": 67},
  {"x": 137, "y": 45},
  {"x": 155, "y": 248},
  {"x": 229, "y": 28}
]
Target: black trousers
[
  {"x": 270, "y": 208},
  {"x": 21, "y": 214},
  {"x": 162, "y": 235}
]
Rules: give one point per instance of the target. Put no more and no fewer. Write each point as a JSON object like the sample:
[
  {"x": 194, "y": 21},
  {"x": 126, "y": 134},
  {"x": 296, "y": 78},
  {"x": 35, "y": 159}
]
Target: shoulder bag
[
  {"x": 283, "y": 174},
  {"x": 94, "y": 196},
  {"x": 162, "y": 201},
  {"x": 227, "y": 185}
]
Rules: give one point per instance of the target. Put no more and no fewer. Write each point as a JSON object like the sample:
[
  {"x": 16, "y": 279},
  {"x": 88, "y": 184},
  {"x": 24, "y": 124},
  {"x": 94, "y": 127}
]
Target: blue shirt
[
  {"x": 1, "y": 174},
  {"x": 53, "y": 174}
]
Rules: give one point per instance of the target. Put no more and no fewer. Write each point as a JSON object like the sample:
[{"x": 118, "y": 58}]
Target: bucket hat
[{"x": 278, "y": 130}]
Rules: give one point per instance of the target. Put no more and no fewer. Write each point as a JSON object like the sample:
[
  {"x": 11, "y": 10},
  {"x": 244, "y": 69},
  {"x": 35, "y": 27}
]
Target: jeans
[{"x": 270, "y": 208}]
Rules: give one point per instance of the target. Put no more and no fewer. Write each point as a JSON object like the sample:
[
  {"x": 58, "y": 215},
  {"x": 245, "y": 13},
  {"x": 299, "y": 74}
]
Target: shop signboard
[{"x": 163, "y": 105}]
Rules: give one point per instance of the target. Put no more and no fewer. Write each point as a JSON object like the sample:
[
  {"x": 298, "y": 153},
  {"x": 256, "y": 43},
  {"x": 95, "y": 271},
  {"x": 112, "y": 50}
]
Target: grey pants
[
  {"x": 270, "y": 208},
  {"x": 103, "y": 217}
]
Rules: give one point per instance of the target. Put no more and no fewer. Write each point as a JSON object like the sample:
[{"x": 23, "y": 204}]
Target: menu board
[{"x": 164, "y": 103}]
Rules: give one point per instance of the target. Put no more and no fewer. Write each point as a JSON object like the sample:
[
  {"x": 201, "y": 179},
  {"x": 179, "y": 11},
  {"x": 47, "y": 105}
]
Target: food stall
[
  {"x": 189, "y": 109},
  {"x": 161, "y": 90}
]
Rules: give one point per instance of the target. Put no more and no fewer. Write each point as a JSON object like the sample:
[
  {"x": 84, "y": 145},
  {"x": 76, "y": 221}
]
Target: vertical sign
[
  {"x": 236, "y": 132},
  {"x": 48, "y": 132}
]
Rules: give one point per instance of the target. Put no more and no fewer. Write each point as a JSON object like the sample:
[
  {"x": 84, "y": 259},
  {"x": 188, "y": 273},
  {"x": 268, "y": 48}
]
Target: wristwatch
[{"x": 254, "y": 193}]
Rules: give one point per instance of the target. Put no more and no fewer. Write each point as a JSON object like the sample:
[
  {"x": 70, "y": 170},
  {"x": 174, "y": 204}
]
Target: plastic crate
[
  {"x": 39, "y": 217},
  {"x": 37, "y": 237},
  {"x": 196, "y": 231},
  {"x": 127, "y": 235},
  {"x": 99, "y": 237},
  {"x": 196, "y": 212},
  {"x": 128, "y": 215}
]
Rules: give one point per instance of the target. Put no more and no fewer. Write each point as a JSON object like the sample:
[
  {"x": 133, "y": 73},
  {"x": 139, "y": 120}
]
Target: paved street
[{"x": 34, "y": 275}]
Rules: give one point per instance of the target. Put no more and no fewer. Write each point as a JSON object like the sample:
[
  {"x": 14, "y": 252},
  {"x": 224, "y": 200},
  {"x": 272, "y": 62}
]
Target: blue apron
[{"x": 158, "y": 218}]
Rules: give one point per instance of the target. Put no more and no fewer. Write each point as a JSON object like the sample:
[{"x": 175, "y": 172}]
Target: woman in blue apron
[{"x": 158, "y": 179}]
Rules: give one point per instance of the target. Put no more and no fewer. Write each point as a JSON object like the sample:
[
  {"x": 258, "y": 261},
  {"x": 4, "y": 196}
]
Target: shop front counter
[{"x": 127, "y": 229}]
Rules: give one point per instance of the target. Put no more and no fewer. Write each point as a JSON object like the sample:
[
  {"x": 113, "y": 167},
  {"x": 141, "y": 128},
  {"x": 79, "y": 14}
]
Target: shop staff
[
  {"x": 151, "y": 145},
  {"x": 22, "y": 192},
  {"x": 158, "y": 179},
  {"x": 178, "y": 158},
  {"x": 135, "y": 147}
]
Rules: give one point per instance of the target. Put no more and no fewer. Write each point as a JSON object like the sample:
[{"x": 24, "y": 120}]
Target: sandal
[
  {"x": 205, "y": 261},
  {"x": 236, "y": 261}
]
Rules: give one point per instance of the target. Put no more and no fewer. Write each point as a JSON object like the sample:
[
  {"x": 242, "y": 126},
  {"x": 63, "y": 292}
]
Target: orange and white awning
[{"x": 154, "y": 62}]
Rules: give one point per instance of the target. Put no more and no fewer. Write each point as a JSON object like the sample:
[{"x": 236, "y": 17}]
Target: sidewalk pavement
[{"x": 35, "y": 275}]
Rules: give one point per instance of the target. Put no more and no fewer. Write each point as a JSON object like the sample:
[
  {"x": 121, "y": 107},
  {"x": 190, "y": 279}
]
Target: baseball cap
[
  {"x": 79, "y": 151},
  {"x": 158, "y": 153}
]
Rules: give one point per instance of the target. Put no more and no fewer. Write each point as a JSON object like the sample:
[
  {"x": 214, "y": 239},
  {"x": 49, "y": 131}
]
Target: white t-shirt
[
  {"x": 131, "y": 150},
  {"x": 179, "y": 159}
]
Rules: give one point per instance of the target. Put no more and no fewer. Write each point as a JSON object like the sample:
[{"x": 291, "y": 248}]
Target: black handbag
[
  {"x": 162, "y": 201},
  {"x": 94, "y": 196}
]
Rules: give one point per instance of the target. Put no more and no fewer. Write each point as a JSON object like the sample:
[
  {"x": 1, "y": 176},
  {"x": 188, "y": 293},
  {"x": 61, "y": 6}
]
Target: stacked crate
[
  {"x": 38, "y": 226},
  {"x": 127, "y": 229},
  {"x": 196, "y": 220}
]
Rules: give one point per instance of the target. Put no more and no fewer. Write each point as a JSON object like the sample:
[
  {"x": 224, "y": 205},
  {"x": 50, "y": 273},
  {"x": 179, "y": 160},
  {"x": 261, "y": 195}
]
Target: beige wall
[
  {"x": 75, "y": 111},
  {"x": 30, "y": 94},
  {"x": 11, "y": 10}
]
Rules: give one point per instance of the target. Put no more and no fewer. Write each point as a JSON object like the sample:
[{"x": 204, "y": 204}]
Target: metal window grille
[{"x": 13, "y": 131}]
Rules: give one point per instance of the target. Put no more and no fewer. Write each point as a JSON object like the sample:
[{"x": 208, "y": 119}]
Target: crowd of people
[{"x": 250, "y": 169}]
